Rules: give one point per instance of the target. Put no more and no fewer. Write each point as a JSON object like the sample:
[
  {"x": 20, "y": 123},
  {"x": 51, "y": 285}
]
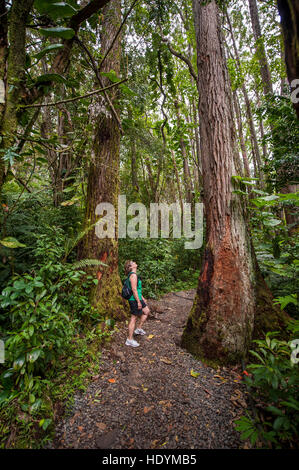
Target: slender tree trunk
[
  {"x": 187, "y": 176},
  {"x": 241, "y": 137},
  {"x": 254, "y": 142},
  {"x": 260, "y": 48},
  {"x": 134, "y": 178},
  {"x": 230, "y": 290},
  {"x": 103, "y": 178},
  {"x": 177, "y": 176}
]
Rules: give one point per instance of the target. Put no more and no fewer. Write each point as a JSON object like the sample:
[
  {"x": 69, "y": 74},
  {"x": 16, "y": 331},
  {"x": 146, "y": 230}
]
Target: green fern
[
  {"x": 72, "y": 242},
  {"x": 88, "y": 262}
]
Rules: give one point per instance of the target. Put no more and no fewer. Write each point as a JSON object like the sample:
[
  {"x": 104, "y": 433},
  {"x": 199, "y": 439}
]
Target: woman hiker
[{"x": 137, "y": 304}]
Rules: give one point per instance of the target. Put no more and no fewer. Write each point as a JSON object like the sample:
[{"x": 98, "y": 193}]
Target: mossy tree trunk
[
  {"x": 3, "y": 56},
  {"x": 231, "y": 291},
  {"x": 12, "y": 69},
  {"x": 103, "y": 178}
]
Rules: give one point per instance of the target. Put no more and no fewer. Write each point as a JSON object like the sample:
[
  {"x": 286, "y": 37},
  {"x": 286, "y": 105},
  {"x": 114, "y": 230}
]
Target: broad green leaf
[
  {"x": 54, "y": 9},
  {"x": 31, "y": 398},
  {"x": 8, "y": 373},
  {"x": 238, "y": 191},
  {"x": 272, "y": 197},
  {"x": 31, "y": 330},
  {"x": 19, "y": 362},
  {"x": 126, "y": 90},
  {"x": 44, "y": 423},
  {"x": 61, "y": 10},
  {"x": 42, "y": 6},
  {"x": 111, "y": 75},
  {"x": 51, "y": 77},
  {"x": 278, "y": 423},
  {"x": 58, "y": 32},
  {"x": 11, "y": 242},
  {"x": 271, "y": 222},
  {"x": 4, "y": 395},
  {"x": 258, "y": 191},
  {"x": 34, "y": 355},
  {"x": 275, "y": 411},
  {"x": 51, "y": 48}
]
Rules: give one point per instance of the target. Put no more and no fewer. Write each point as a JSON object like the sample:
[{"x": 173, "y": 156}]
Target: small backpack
[{"x": 127, "y": 292}]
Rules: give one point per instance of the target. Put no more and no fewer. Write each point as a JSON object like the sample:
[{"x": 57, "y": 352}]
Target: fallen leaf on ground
[
  {"x": 154, "y": 443},
  {"x": 101, "y": 426},
  {"x": 194, "y": 374},
  {"x": 80, "y": 428},
  {"x": 150, "y": 336},
  {"x": 147, "y": 409},
  {"x": 165, "y": 403},
  {"x": 164, "y": 359},
  {"x": 112, "y": 381}
]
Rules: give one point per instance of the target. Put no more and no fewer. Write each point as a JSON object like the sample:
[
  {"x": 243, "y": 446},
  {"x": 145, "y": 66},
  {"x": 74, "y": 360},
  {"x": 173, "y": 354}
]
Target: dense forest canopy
[{"x": 130, "y": 104}]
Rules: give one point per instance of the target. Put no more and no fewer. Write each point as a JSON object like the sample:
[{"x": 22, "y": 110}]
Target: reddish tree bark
[{"x": 232, "y": 302}]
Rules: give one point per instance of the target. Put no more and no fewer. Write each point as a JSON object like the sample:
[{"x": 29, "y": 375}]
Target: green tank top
[{"x": 139, "y": 288}]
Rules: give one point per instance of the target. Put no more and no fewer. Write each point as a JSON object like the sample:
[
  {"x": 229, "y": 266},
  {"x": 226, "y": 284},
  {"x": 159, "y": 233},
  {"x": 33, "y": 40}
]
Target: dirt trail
[{"x": 146, "y": 397}]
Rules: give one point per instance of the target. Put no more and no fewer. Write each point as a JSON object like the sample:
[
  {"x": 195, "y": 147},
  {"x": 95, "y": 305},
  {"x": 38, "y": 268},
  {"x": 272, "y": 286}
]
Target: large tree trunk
[
  {"x": 289, "y": 13},
  {"x": 12, "y": 69},
  {"x": 3, "y": 56},
  {"x": 223, "y": 318},
  {"x": 103, "y": 178}
]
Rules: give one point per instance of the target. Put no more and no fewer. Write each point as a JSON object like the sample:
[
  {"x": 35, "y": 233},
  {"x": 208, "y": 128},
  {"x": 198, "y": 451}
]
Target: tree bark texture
[
  {"x": 222, "y": 321},
  {"x": 103, "y": 178},
  {"x": 289, "y": 13},
  {"x": 12, "y": 68}
]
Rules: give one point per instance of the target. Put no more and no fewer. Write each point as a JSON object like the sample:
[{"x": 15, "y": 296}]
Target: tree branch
[
  {"x": 118, "y": 32},
  {"x": 69, "y": 100},
  {"x": 61, "y": 59},
  {"x": 183, "y": 58},
  {"x": 96, "y": 71}
]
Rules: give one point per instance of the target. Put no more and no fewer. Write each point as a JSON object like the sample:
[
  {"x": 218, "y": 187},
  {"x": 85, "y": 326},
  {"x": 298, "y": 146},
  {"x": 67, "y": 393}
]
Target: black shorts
[{"x": 133, "y": 306}]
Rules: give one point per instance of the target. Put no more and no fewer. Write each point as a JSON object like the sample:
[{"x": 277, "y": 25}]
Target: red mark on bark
[
  {"x": 103, "y": 258},
  {"x": 204, "y": 274}
]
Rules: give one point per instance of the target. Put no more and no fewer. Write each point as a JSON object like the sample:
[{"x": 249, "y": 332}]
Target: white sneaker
[
  {"x": 132, "y": 342},
  {"x": 139, "y": 331}
]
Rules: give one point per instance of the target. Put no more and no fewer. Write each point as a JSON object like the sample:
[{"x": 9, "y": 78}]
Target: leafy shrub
[{"x": 274, "y": 385}]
